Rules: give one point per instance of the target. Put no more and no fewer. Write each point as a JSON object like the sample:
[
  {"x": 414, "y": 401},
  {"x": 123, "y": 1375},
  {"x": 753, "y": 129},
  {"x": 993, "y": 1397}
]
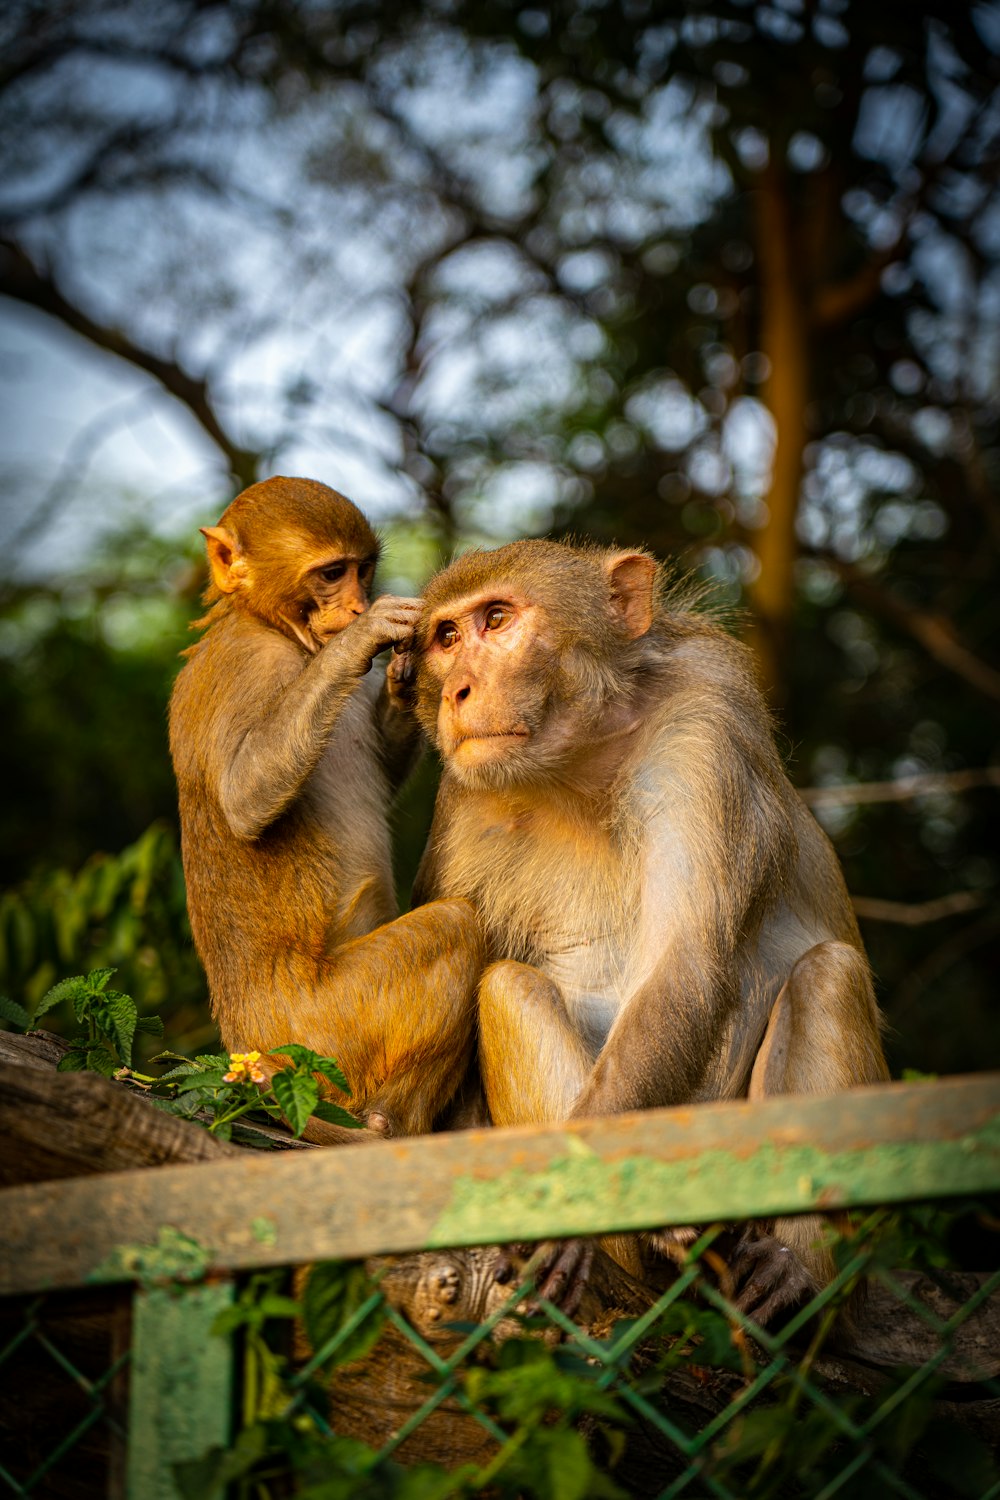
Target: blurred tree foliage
[{"x": 721, "y": 276}]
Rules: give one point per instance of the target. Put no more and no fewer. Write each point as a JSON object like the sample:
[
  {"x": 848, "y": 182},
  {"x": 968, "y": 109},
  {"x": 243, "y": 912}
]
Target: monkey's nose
[{"x": 458, "y": 694}]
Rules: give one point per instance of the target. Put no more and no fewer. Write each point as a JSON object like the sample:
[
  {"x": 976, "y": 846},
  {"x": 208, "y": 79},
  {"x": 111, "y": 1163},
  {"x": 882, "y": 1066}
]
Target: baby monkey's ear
[{"x": 226, "y": 562}]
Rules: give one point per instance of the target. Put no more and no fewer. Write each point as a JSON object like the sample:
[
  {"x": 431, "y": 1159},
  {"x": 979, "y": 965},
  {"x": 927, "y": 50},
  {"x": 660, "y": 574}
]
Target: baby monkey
[{"x": 287, "y": 751}]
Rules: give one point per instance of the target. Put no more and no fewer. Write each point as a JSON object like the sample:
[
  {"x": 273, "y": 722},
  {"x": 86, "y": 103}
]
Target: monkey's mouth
[{"x": 489, "y": 737}]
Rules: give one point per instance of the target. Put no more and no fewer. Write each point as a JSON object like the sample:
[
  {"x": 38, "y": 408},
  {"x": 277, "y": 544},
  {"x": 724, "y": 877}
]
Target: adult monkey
[
  {"x": 286, "y": 750},
  {"x": 668, "y": 922}
]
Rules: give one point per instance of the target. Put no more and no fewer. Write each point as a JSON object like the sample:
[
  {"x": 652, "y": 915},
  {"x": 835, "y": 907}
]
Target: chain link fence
[{"x": 208, "y": 1367}]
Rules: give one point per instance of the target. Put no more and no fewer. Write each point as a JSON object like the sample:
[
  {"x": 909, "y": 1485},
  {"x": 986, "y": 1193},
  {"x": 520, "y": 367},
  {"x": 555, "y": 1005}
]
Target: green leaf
[
  {"x": 330, "y": 1068},
  {"x": 182, "y": 1070},
  {"x": 274, "y": 1305},
  {"x": 569, "y": 1465},
  {"x": 210, "y": 1060},
  {"x": 298, "y": 1095},
  {"x": 200, "y": 1080},
  {"x": 97, "y": 980},
  {"x": 302, "y": 1057},
  {"x": 11, "y": 1011},
  {"x": 333, "y": 1294},
  {"x": 151, "y": 1025},
  {"x": 121, "y": 1014},
  {"x": 67, "y": 989},
  {"x": 100, "y": 1060},
  {"x": 334, "y": 1115},
  {"x": 206, "y": 1477},
  {"x": 73, "y": 1061}
]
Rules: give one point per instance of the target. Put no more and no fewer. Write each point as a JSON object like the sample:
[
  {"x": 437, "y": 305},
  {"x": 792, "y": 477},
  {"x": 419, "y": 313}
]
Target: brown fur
[
  {"x": 614, "y": 806},
  {"x": 286, "y": 751}
]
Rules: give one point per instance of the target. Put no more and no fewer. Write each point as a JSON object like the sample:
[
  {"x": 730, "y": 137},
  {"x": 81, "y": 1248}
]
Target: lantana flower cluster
[{"x": 243, "y": 1068}]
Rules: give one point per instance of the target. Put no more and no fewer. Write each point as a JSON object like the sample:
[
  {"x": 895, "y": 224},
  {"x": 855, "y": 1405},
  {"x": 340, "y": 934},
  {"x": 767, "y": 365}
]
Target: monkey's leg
[
  {"x": 533, "y": 1065},
  {"x": 396, "y": 1008},
  {"x": 822, "y": 1037},
  {"x": 532, "y": 1060}
]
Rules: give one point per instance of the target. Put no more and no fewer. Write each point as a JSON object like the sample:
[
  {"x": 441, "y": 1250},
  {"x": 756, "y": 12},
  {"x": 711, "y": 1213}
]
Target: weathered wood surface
[
  {"x": 882, "y": 1144},
  {"x": 78, "y": 1124},
  {"x": 61, "y": 1125}
]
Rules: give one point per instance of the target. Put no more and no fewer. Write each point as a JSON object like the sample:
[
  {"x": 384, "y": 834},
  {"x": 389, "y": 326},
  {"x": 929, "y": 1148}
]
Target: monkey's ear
[
  {"x": 225, "y": 558},
  {"x": 631, "y": 576}
]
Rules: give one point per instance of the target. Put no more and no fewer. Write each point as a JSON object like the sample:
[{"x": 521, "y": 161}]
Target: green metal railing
[{"x": 684, "y": 1396}]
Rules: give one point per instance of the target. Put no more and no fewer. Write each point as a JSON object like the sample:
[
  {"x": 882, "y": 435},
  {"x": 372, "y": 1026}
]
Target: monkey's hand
[
  {"x": 400, "y": 678},
  {"x": 560, "y": 1269},
  {"x": 390, "y": 622},
  {"x": 769, "y": 1279}
]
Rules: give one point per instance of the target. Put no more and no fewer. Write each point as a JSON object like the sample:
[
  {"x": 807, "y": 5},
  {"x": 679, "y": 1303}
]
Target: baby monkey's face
[{"x": 337, "y": 591}]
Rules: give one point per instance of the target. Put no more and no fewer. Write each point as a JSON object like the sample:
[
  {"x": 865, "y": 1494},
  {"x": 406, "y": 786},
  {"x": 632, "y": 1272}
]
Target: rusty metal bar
[{"x": 885, "y": 1144}]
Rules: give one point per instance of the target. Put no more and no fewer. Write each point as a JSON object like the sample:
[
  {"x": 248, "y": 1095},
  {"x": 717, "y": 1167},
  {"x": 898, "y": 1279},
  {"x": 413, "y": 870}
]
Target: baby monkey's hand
[{"x": 389, "y": 622}]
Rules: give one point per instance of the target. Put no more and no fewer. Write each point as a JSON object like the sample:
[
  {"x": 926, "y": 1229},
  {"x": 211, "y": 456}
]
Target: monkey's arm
[
  {"x": 427, "y": 884},
  {"x": 719, "y": 842},
  {"x": 265, "y": 769},
  {"x": 400, "y": 738}
]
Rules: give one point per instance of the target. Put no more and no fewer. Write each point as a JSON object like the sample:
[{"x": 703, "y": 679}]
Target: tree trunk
[{"x": 784, "y": 340}]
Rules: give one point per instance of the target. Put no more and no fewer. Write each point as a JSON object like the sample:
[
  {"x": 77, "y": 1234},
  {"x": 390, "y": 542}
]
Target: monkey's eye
[
  {"x": 494, "y": 617},
  {"x": 447, "y": 635},
  {"x": 332, "y": 574},
  {"x": 366, "y": 573}
]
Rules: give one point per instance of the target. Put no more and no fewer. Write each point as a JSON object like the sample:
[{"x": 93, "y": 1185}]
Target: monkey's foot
[
  {"x": 560, "y": 1273},
  {"x": 770, "y": 1281},
  {"x": 674, "y": 1242}
]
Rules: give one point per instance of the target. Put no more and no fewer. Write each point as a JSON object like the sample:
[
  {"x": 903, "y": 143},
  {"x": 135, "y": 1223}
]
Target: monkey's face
[
  {"x": 333, "y": 592},
  {"x": 492, "y": 690}
]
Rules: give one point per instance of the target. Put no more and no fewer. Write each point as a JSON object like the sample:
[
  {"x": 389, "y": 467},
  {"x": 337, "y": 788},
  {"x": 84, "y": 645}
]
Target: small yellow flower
[{"x": 243, "y": 1068}]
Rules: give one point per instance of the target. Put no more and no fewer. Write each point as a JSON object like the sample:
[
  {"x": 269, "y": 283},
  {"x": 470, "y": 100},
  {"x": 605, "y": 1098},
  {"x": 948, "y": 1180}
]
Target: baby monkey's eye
[
  {"x": 494, "y": 617},
  {"x": 447, "y": 634},
  {"x": 333, "y": 574}
]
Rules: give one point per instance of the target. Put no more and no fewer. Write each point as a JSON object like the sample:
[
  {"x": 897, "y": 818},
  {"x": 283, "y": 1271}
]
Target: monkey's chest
[{"x": 558, "y": 895}]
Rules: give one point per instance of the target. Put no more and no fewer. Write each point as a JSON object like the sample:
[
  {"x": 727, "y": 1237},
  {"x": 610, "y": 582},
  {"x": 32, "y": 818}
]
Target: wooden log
[
  {"x": 80, "y": 1124},
  {"x": 59, "y": 1125},
  {"x": 375, "y": 1398}
]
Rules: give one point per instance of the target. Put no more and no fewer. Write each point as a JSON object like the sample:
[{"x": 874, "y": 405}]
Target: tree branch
[
  {"x": 21, "y": 280},
  {"x": 904, "y": 789},
  {"x": 917, "y": 914},
  {"x": 935, "y": 633}
]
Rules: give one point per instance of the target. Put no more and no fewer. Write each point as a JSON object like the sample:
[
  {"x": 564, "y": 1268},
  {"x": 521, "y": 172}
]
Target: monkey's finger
[
  {"x": 383, "y": 632},
  {"x": 508, "y": 1261},
  {"x": 397, "y": 608},
  {"x": 564, "y": 1283}
]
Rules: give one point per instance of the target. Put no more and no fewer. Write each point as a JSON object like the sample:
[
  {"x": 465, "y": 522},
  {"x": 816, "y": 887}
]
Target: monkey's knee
[
  {"x": 835, "y": 1020},
  {"x": 831, "y": 966},
  {"x": 452, "y": 937},
  {"x": 509, "y": 985}
]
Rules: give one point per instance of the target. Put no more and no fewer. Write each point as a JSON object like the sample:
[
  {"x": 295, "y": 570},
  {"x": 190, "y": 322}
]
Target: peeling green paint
[
  {"x": 264, "y": 1231},
  {"x": 181, "y": 1388},
  {"x": 174, "y": 1257},
  {"x": 586, "y": 1193}
]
